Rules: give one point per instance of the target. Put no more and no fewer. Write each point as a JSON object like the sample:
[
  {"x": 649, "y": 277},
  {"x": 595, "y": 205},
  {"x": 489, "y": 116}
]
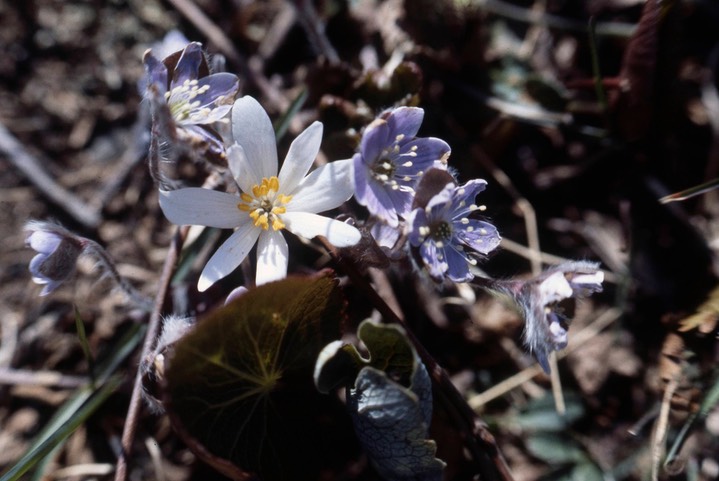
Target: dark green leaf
[
  {"x": 239, "y": 386},
  {"x": 390, "y": 351}
]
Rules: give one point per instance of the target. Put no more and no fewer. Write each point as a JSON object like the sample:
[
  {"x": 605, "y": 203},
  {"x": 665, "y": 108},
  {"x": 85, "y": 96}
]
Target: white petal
[
  {"x": 197, "y": 206},
  {"x": 272, "y": 257},
  {"x": 246, "y": 173},
  {"x": 228, "y": 256},
  {"x": 325, "y": 188},
  {"x": 235, "y": 294},
  {"x": 581, "y": 279},
  {"x": 555, "y": 288},
  {"x": 252, "y": 129},
  {"x": 302, "y": 153},
  {"x": 309, "y": 225}
]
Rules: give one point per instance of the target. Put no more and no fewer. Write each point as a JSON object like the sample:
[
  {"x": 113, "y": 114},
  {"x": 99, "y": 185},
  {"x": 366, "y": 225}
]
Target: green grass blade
[
  {"x": 68, "y": 412},
  {"x": 691, "y": 192},
  {"x": 80, "y": 326},
  {"x": 283, "y": 123},
  {"x": 42, "y": 449},
  {"x": 710, "y": 400}
]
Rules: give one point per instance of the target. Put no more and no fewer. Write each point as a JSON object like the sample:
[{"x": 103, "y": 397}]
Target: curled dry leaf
[{"x": 389, "y": 397}]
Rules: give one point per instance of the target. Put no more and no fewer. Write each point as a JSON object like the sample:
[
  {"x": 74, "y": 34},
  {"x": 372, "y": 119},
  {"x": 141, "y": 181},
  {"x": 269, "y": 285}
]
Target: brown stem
[
  {"x": 479, "y": 440},
  {"x": 153, "y": 330}
]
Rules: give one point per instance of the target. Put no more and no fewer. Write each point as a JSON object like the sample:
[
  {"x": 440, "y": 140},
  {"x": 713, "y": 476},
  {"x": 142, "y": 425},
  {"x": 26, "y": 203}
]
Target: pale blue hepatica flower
[
  {"x": 195, "y": 98},
  {"x": 540, "y": 301},
  {"x": 391, "y": 160},
  {"x": 268, "y": 202},
  {"x": 172, "y": 42},
  {"x": 57, "y": 253},
  {"x": 445, "y": 236}
]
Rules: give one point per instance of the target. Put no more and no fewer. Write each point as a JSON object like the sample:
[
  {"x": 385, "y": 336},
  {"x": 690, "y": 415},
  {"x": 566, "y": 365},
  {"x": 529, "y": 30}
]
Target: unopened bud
[{"x": 58, "y": 250}]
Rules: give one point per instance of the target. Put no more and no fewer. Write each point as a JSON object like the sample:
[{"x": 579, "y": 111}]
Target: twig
[
  {"x": 661, "y": 427},
  {"x": 156, "y": 456},
  {"x": 31, "y": 167},
  {"x": 153, "y": 330},
  {"x": 534, "y": 32},
  {"x": 41, "y": 378},
  {"x": 379, "y": 278},
  {"x": 524, "y": 206},
  {"x": 535, "y": 259},
  {"x": 479, "y": 440},
  {"x": 103, "y": 258},
  {"x": 252, "y": 71},
  {"x": 604, "y": 319},
  {"x": 83, "y": 471},
  {"x": 131, "y": 157},
  {"x": 527, "y": 253},
  {"x": 315, "y": 29},
  {"x": 8, "y": 338}
]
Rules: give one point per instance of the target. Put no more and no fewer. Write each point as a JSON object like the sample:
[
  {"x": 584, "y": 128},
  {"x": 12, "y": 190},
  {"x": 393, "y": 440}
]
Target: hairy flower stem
[
  {"x": 153, "y": 331},
  {"x": 490, "y": 463},
  {"x": 108, "y": 266},
  {"x": 161, "y": 129}
]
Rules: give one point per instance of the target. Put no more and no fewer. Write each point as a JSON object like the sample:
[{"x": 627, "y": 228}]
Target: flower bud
[{"x": 58, "y": 250}]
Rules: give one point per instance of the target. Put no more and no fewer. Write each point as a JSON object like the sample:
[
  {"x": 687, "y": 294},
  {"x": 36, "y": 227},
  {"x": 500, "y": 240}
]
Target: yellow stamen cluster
[{"x": 265, "y": 205}]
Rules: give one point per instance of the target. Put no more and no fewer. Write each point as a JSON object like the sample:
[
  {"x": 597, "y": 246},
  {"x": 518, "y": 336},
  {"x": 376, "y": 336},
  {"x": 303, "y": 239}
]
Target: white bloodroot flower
[{"x": 268, "y": 202}]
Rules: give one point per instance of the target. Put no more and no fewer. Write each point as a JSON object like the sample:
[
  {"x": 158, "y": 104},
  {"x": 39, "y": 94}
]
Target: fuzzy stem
[
  {"x": 108, "y": 265},
  {"x": 153, "y": 330}
]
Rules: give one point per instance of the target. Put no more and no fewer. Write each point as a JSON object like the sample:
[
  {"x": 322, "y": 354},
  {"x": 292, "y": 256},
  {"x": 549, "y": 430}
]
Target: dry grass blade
[{"x": 599, "y": 324}]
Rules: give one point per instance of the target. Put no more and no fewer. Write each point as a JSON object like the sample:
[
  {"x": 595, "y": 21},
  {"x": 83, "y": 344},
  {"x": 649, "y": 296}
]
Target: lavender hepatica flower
[
  {"x": 195, "y": 99},
  {"x": 391, "y": 160},
  {"x": 444, "y": 235},
  {"x": 268, "y": 202},
  {"x": 58, "y": 251},
  {"x": 541, "y": 301}
]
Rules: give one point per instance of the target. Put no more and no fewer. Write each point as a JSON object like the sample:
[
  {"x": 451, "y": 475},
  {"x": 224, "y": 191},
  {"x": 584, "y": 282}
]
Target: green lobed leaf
[
  {"x": 390, "y": 351},
  {"x": 239, "y": 386},
  {"x": 389, "y": 397}
]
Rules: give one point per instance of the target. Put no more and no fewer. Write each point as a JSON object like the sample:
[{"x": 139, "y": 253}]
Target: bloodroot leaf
[
  {"x": 389, "y": 397},
  {"x": 239, "y": 387}
]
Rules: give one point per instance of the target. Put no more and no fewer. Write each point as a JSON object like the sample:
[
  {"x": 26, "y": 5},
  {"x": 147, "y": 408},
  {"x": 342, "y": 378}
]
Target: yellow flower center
[{"x": 265, "y": 205}]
